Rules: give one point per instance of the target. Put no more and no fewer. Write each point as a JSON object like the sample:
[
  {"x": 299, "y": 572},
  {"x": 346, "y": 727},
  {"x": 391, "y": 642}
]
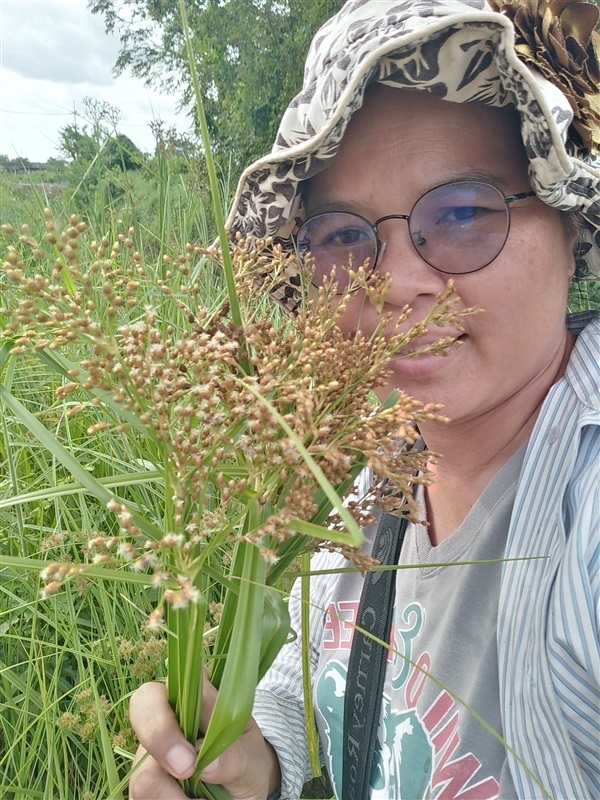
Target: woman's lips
[
  {"x": 448, "y": 340},
  {"x": 412, "y": 363}
]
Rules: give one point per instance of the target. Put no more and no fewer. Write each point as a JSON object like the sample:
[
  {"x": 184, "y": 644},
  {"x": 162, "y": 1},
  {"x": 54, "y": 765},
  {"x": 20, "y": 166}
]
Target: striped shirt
[
  {"x": 549, "y": 607},
  {"x": 548, "y": 641}
]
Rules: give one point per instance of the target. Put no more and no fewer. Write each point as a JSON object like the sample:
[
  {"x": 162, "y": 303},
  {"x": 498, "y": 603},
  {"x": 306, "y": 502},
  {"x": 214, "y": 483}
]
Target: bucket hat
[{"x": 536, "y": 55}]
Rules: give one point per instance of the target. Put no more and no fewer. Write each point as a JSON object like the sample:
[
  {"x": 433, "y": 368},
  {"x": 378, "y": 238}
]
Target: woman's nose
[{"x": 411, "y": 275}]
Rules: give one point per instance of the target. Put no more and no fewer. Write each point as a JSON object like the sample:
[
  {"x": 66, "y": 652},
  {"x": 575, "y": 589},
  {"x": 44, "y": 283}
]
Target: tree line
[{"x": 249, "y": 58}]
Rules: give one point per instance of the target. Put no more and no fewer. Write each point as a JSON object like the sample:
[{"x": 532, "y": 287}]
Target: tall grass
[
  {"x": 167, "y": 207},
  {"x": 69, "y": 662}
]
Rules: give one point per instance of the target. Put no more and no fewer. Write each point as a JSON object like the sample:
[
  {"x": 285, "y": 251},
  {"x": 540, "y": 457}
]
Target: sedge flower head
[{"x": 224, "y": 406}]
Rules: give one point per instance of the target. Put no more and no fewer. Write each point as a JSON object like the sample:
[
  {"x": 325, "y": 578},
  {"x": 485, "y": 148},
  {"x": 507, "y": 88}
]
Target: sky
[{"x": 53, "y": 53}]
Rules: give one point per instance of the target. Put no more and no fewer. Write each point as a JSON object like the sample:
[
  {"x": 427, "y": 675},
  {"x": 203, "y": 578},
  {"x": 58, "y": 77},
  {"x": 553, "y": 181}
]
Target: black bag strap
[{"x": 368, "y": 659}]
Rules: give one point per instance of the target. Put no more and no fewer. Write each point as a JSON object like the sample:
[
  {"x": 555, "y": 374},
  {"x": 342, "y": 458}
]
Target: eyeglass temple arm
[{"x": 521, "y": 196}]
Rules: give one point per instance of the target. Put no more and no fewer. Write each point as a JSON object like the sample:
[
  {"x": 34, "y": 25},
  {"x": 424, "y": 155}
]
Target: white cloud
[
  {"x": 56, "y": 40},
  {"x": 53, "y": 53}
]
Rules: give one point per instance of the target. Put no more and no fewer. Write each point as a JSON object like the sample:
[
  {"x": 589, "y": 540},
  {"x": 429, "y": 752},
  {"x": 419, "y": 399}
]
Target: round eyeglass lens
[
  {"x": 460, "y": 227},
  {"x": 337, "y": 240}
]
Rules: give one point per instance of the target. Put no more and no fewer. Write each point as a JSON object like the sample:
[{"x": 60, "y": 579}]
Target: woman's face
[{"x": 399, "y": 145}]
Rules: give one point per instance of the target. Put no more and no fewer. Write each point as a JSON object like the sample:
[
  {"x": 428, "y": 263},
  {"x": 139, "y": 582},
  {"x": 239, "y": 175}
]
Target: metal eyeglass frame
[{"x": 380, "y": 248}]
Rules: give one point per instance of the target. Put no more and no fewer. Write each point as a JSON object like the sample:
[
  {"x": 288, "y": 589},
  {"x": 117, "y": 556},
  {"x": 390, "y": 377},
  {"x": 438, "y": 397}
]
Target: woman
[{"x": 422, "y": 142}]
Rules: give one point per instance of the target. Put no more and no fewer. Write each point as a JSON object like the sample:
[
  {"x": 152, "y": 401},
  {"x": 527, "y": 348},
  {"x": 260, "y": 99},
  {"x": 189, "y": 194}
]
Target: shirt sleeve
[
  {"x": 573, "y": 640},
  {"x": 279, "y": 702}
]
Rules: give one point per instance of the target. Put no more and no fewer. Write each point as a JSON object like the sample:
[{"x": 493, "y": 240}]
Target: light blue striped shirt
[
  {"x": 549, "y": 608},
  {"x": 548, "y": 641}
]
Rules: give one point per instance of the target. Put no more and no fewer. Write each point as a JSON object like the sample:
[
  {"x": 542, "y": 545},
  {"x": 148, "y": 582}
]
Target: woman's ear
[{"x": 572, "y": 225}]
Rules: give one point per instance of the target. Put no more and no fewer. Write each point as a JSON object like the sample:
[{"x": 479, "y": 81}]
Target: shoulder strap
[{"x": 368, "y": 661}]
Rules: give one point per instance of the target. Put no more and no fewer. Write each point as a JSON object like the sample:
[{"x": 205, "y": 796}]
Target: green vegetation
[
  {"x": 68, "y": 663},
  {"x": 110, "y": 183},
  {"x": 249, "y": 55}
]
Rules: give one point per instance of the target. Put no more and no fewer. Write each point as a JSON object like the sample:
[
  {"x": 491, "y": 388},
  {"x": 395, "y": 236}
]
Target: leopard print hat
[{"x": 460, "y": 50}]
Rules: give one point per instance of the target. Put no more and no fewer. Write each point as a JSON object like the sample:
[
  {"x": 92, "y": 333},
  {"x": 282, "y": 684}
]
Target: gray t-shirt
[{"x": 443, "y": 678}]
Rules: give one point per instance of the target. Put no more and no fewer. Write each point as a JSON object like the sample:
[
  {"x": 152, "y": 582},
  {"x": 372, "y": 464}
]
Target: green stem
[
  {"x": 212, "y": 173},
  {"x": 185, "y": 669},
  {"x": 309, "y": 715},
  {"x": 233, "y": 707},
  {"x": 173, "y": 687},
  {"x": 25, "y": 563}
]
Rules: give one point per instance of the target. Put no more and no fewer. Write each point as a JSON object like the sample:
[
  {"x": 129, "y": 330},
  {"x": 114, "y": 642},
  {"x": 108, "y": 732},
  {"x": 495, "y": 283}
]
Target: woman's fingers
[
  {"x": 248, "y": 770},
  {"x": 150, "y": 781},
  {"x": 159, "y": 733}
]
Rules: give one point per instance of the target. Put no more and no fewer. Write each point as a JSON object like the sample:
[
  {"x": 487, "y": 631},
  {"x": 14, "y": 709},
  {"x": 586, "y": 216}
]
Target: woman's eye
[
  {"x": 346, "y": 237},
  {"x": 458, "y": 215}
]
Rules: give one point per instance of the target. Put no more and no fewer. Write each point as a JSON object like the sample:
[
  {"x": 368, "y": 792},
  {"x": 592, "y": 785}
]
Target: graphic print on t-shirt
[
  {"x": 402, "y": 757},
  {"x": 418, "y": 752}
]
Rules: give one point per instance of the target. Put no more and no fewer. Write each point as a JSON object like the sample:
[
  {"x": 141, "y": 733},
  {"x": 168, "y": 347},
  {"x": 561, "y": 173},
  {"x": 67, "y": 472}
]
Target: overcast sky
[{"x": 53, "y": 53}]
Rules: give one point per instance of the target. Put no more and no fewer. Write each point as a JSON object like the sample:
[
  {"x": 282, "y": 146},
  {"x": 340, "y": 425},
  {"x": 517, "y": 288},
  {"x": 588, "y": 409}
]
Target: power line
[
  {"x": 37, "y": 113},
  {"x": 122, "y": 123}
]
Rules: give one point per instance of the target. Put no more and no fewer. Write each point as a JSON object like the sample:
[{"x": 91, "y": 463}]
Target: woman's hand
[{"x": 248, "y": 770}]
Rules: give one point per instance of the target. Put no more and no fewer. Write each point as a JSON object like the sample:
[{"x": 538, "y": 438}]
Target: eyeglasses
[{"x": 456, "y": 228}]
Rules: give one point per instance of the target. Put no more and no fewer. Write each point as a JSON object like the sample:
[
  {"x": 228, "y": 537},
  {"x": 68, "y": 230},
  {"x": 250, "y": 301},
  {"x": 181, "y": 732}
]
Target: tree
[
  {"x": 249, "y": 57},
  {"x": 115, "y": 151},
  {"x": 99, "y": 157},
  {"x": 100, "y": 141},
  {"x": 77, "y": 144},
  {"x": 121, "y": 153}
]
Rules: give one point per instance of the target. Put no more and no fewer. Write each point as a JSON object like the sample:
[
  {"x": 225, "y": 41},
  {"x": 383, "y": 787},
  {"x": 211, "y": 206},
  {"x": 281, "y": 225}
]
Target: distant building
[{"x": 18, "y": 166}]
